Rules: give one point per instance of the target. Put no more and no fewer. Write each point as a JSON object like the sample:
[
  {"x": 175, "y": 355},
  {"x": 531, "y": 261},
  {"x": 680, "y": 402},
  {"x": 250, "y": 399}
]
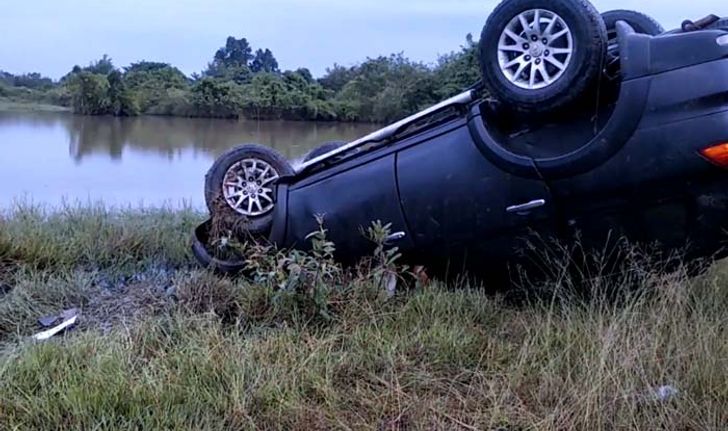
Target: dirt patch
[{"x": 114, "y": 308}]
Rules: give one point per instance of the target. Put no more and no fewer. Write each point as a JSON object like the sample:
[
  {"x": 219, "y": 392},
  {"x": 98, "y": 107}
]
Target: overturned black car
[{"x": 583, "y": 125}]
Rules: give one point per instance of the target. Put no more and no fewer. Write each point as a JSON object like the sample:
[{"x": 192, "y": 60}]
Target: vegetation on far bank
[
  {"x": 27, "y": 106},
  {"x": 241, "y": 82},
  {"x": 305, "y": 344}
]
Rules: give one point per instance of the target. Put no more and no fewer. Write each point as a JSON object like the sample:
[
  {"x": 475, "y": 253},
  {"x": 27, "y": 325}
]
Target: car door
[
  {"x": 348, "y": 198},
  {"x": 457, "y": 203}
]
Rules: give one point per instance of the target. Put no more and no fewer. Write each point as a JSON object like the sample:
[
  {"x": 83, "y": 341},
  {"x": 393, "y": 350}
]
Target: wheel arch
[{"x": 628, "y": 112}]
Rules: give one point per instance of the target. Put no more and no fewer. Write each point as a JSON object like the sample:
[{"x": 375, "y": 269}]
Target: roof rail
[{"x": 392, "y": 129}]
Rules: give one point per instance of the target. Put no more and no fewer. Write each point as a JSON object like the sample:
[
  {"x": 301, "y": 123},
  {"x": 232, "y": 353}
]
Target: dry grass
[{"x": 166, "y": 346}]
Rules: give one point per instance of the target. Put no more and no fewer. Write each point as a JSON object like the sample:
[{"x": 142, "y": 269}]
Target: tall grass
[
  {"x": 174, "y": 347},
  {"x": 94, "y": 236}
]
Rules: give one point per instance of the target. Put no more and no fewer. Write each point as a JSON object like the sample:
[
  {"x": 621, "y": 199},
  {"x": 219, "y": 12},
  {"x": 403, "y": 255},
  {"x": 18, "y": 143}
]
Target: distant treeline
[{"x": 240, "y": 82}]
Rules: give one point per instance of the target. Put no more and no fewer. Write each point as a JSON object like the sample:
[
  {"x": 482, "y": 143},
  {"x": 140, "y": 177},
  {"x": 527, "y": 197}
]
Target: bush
[
  {"x": 175, "y": 102},
  {"x": 457, "y": 71},
  {"x": 242, "y": 82},
  {"x": 213, "y": 98},
  {"x": 152, "y": 83}
]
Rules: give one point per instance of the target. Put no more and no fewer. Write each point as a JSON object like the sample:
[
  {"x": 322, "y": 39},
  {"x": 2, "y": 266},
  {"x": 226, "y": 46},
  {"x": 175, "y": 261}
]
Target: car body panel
[
  {"x": 452, "y": 194},
  {"x": 690, "y": 92},
  {"x": 638, "y": 176},
  {"x": 348, "y": 203}
]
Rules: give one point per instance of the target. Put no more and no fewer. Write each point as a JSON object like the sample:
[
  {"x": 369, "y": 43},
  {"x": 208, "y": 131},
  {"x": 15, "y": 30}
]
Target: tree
[
  {"x": 264, "y": 61},
  {"x": 297, "y": 80},
  {"x": 231, "y": 62},
  {"x": 102, "y": 66},
  {"x": 68, "y": 77},
  {"x": 147, "y": 66},
  {"x": 266, "y": 94},
  {"x": 122, "y": 102},
  {"x": 238, "y": 74},
  {"x": 6, "y": 78},
  {"x": 386, "y": 89},
  {"x": 305, "y": 73},
  {"x": 458, "y": 70},
  {"x": 292, "y": 95},
  {"x": 240, "y": 80},
  {"x": 212, "y": 98},
  {"x": 153, "y": 82},
  {"x": 236, "y": 52},
  {"x": 90, "y": 93},
  {"x": 34, "y": 80},
  {"x": 337, "y": 77}
]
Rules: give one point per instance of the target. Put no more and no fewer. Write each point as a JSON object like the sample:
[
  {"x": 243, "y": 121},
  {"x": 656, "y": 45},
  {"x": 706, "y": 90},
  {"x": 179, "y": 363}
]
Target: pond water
[{"x": 51, "y": 158}]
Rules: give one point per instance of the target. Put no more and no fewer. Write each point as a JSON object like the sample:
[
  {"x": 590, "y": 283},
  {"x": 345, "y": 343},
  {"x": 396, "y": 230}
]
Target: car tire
[
  {"x": 514, "y": 57},
  {"x": 233, "y": 198},
  {"x": 323, "y": 149},
  {"x": 720, "y": 24},
  {"x": 641, "y": 23}
]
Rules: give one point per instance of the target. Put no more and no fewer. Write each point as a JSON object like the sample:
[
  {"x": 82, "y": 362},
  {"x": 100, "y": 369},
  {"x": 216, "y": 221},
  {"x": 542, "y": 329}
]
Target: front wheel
[
  {"x": 324, "y": 149},
  {"x": 241, "y": 187}
]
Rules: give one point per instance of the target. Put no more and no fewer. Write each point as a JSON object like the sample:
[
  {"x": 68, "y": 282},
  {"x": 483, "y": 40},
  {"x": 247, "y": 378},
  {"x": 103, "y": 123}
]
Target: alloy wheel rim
[
  {"x": 248, "y": 187},
  {"x": 535, "y": 49}
]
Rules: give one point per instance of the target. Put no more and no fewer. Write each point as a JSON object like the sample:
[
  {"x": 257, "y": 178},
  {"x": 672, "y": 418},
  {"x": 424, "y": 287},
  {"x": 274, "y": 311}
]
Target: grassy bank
[
  {"x": 164, "y": 345},
  {"x": 24, "y": 106}
]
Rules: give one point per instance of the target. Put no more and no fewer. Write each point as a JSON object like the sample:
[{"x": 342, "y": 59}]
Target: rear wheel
[
  {"x": 240, "y": 187},
  {"x": 641, "y": 23},
  {"x": 542, "y": 55},
  {"x": 720, "y": 24}
]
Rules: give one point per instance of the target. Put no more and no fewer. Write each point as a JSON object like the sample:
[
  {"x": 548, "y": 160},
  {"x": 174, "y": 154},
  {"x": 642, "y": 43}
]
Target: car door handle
[
  {"x": 395, "y": 237},
  {"x": 524, "y": 209}
]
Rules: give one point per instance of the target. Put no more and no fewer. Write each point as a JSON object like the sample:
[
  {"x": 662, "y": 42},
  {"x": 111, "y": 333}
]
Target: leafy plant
[{"x": 314, "y": 279}]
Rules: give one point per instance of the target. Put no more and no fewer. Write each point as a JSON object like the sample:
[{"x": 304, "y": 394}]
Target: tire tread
[{"x": 582, "y": 80}]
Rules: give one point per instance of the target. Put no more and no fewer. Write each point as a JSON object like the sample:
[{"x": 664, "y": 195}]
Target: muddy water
[{"x": 50, "y": 158}]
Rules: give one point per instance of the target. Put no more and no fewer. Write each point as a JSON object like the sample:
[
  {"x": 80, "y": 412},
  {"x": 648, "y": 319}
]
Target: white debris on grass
[
  {"x": 45, "y": 335},
  {"x": 666, "y": 393}
]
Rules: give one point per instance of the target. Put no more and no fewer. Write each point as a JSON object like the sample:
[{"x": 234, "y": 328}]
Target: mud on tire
[{"x": 240, "y": 187}]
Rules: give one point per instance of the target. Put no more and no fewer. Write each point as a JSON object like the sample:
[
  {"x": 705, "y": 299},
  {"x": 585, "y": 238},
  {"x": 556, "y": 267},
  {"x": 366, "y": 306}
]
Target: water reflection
[
  {"x": 166, "y": 136},
  {"x": 179, "y": 149}
]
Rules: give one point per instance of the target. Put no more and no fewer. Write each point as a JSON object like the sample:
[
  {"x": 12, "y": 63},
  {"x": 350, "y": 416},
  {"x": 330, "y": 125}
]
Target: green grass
[
  {"x": 164, "y": 345},
  {"x": 26, "y": 106}
]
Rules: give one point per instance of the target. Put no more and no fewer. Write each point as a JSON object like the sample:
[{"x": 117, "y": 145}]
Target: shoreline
[
  {"x": 22, "y": 106},
  {"x": 15, "y": 106}
]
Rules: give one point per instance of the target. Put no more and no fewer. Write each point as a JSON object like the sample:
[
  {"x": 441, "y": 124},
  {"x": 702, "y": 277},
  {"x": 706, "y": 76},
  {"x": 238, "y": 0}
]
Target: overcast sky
[{"x": 50, "y": 36}]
